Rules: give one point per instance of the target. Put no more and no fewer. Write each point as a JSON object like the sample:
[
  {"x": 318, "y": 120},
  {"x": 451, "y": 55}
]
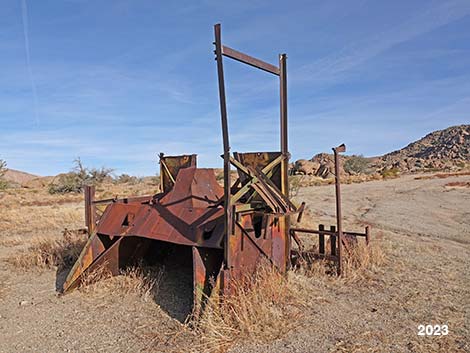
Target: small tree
[
  {"x": 79, "y": 177},
  {"x": 3, "y": 169},
  {"x": 356, "y": 165}
]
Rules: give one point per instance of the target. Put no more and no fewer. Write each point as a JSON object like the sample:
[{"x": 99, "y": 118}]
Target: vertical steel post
[
  {"x": 321, "y": 239},
  {"x": 90, "y": 213},
  {"x": 161, "y": 155},
  {"x": 283, "y": 127},
  {"x": 284, "y": 145},
  {"x": 223, "y": 115},
  {"x": 367, "y": 235},
  {"x": 333, "y": 241},
  {"x": 339, "y": 220}
]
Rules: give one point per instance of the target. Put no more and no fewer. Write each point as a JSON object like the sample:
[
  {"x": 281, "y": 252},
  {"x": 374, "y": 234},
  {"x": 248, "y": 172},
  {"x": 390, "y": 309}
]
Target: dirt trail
[
  {"x": 424, "y": 227},
  {"x": 406, "y": 206},
  {"x": 422, "y": 224}
]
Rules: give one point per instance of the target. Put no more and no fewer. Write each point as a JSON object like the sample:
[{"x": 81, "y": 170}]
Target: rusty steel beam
[
  {"x": 327, "y": 232},
  {"x": 228, "y": 229},
  {"x": 333, "y": 243},
  {"x": 249, "y": 60},
  {"x": 339, "y": 217},
  {"x": 301, "y": 212},
  {"x": 321, "y": 239},
  {"x": 285, "y": 222},
  {"x": 226, "y": 143},
  {"x": 90, "y": 208}
]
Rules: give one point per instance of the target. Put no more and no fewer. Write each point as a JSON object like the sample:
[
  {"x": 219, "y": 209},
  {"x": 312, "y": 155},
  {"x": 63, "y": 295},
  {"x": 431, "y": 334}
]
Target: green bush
[
  {"x": 70, "y": 182},
  {"x": 357, "y": 165},
  {"x": 78, "y": 178},
  {"x": 390, "y": 173},
  {"x": 3, "y": 169},
  {"x": 295, "y": 183}
]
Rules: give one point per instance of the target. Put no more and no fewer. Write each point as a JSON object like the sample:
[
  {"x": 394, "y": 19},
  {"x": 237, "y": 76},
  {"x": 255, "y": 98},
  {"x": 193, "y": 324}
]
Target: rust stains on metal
[{"x": 228, "y": 229}]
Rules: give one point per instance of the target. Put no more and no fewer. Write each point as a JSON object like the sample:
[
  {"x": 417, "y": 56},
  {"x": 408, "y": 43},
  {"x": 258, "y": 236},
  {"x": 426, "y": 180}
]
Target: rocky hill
[
  {"x": 447, "y": 149},
  {"x": 442, "y": 149},
  {"x": 17, "y": 177}
]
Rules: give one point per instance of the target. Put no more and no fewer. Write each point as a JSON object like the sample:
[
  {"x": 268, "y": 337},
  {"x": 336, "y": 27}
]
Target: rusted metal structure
[
  {"x": 228, "y": 229},
  {"x": 338, "y": 238}
]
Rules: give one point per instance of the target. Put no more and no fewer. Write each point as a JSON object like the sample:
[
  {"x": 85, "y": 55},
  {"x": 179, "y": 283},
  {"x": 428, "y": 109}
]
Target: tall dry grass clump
[
  {"x": 363, "y": 257},
  {"x": 48, "y": 252},
  {"x": 359, "y": 262},
  {"x": 262, "y": 307},
  {"x": 141, "y": 281}
]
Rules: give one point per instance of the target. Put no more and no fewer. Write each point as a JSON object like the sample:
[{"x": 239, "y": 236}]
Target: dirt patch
[{"x": 421, "y": 226}]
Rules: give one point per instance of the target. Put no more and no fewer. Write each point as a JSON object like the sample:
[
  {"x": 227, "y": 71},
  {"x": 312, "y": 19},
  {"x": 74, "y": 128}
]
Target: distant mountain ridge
[
  {"x": 18, "y": 177},
  {"x": 447, "y": 149}
]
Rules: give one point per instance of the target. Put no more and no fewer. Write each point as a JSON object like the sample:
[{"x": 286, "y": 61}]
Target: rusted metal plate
[
  {"x": 90, "y": 257},
  {"x": 207, "y": 264},
  {"x": 230, "y": 229},
  {"x": 259, "y": 160},
  {"x": 170, "y": 166},
  {"x": 189, "y": 214}
]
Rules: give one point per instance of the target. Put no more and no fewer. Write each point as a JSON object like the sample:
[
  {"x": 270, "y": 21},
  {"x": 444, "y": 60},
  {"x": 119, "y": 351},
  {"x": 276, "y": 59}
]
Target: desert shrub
[
  {"x": 356, "y": 165},
  {"x": 359, "y": 262},
  {"x": 295, "y": 183},
  {"x": 263, "y": 307},
  {"x": 47, "y": 252},
  {"x": 127, "y": 179},
  {"x": 70, "y": 182},
  {"x": 361, "y": 258},
  {"x": 97, "y": 176},
  {"x": 3, "y": 169},
  {"x": 390, "y": 173},
  {"x": 80, "y": 176}
]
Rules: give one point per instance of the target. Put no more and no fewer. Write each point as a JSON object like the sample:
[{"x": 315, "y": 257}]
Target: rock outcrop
[{"x": 447, "y": 149}]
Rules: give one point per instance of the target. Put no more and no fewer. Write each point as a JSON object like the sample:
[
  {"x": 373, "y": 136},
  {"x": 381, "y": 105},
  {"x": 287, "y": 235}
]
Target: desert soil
[{"x": 423, "y": 227}]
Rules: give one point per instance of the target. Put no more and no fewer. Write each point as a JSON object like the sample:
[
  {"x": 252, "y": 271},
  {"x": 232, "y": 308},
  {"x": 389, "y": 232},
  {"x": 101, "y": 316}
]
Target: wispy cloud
[
  {"x": 334, "y": 67},
  {"x": 24, "y": 16},
  {"x": 117, "y": 87}
]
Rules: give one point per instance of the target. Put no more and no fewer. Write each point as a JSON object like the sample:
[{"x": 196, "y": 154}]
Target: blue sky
[{"x": 117, "y": 82}]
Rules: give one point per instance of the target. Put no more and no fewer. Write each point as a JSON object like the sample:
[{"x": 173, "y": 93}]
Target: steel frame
[
  {"x": 230, "y": 229},
  {"x": 280, "y": 71}
]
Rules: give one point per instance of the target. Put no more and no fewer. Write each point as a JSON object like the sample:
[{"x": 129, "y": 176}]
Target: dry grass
[
  {"x": 3, "y": 287},
  {"x": 39, "y": 219},
  {"x": 441, "y": 175},
  {"x": 263, "y": 310},
  {"x": 299, "y": 181},
  {"x": 47, "y": 252},
  {"x": 363, "y": 259},
  {"x": 9, "y": 241},
  {"x": 267, "y": 305},
  {"x": 360, "y": 263},
  {"x": 143, "y": 282}
]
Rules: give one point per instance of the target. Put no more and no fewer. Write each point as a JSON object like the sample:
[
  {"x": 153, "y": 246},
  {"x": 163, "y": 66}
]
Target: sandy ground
[{"x": 423, "y": 227}]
